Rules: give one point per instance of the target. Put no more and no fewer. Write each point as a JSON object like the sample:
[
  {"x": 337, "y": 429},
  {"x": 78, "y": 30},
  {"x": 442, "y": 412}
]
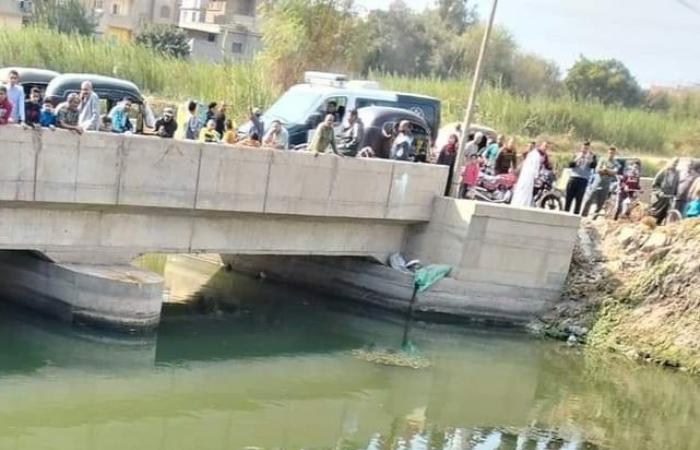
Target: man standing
[
  {"x": 277, "y": 136},
  {"x": 89, "y": 108},
  {"x": 473, "y": 147},
  {"x": 507, "y": 158},
  {"x": 32, "y": 108},
  {"x": 120, "y": 117},
  {"x": 664, "y": 188},
  {"x": 166, "y": 126},
  {"x": 68, "y": 116},
  {"x": 255, "y": 125},
  {"x": 324, "y": 137},
  {"x": 193, "y": 125},
  {"x": 332, "y": 108},
  {"x": 492, "y": 151},
  {"x": 352, "y": 134},
  {"x": 684, "y": 187},
  {"x": 220, "y": 119},
  {"x": 15, "y": 95},
  {"x": 403, "y": 149},
  {"x": 582, "y": 166},
  {"x": 606, "y": 173}
]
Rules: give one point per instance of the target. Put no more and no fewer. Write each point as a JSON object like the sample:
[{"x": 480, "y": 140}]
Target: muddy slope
[{"x": 634, "y": 289}]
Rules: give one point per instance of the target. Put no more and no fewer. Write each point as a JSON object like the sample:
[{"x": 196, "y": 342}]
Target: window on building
[
  {"x": 246, "y": 7},
  {"x": 115, "y": 9},
  {"x": 165, "y": 12},
  {"x": 211, "y": 37},
  {"x": 237, "y": 47}
]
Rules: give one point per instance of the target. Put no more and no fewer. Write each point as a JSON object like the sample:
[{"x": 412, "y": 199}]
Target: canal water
[{"x": 245, "y": 364}]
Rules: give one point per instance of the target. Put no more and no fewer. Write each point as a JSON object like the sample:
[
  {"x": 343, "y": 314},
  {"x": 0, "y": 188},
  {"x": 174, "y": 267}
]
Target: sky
[{"x": 659, "y": 40}]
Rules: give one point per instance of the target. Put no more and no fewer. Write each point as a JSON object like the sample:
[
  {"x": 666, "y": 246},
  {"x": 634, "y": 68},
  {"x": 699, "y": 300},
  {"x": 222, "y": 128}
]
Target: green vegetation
[
  {"x": 608, "y": 81},
  {"x": 65, "y": 16},
  {"x": 239, "y": 84},
  {"x": 633, "y": 129},
  {"x": 168, "y": 40},
  {"x": 562, "y": 118}
]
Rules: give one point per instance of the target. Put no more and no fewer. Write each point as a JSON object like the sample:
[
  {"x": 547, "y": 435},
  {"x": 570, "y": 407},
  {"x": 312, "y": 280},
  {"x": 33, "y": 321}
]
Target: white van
[{"x": 303, "y": 106}]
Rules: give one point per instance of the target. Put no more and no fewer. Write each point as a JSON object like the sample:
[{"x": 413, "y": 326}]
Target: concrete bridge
[{"x": 87, "y": 205}]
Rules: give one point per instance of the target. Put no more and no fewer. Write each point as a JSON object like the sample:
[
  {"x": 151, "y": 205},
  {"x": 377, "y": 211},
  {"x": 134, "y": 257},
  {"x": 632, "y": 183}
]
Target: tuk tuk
[
  {"x": 382, "y": 121},
  {"x": 110, "y": 91},
  {"x": 30, "y": 78}
]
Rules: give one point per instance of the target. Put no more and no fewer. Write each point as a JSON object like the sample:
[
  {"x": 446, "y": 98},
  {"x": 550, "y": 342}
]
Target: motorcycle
[
  {"x": 494, "y": 188},
  {"x": 546, "y": 196}
]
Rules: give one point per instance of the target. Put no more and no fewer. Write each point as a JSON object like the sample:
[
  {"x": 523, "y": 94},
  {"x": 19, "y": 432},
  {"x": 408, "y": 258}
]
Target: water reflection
[{"x": 256, "y": 365}]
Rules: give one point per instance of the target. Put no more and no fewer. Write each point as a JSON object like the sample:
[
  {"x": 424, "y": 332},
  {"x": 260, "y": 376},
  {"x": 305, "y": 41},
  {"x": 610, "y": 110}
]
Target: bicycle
[{"x": 631, "y": 209}]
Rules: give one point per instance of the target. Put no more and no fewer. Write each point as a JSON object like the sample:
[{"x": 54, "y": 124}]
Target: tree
[
  {"x": 391, "y": 48},
  {"x": 64, "y": 16},
  {"x": 606, "y": 80},
  {"x": 166, "y": 39},
  {"x": 299, "y": 35},
  {"x": 535, "y": 75},
  {"x": 456, "y": 15}
]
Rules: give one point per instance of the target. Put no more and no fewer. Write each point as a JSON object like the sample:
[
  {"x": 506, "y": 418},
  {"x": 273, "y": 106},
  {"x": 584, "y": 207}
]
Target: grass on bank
[{"x": 247, "y": 83}]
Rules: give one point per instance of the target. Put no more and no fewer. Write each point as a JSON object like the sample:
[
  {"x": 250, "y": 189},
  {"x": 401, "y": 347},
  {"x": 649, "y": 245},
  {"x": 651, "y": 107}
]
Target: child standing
[
  {"x": 5, "y": 106},
  {"x": 470, "y": 174},
  {"x": 32, "y": 108},
  {"x": 48, "y": 115}
]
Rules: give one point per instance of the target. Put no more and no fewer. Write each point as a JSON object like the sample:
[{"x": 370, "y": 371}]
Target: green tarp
[{"x": 424, "y": 278}]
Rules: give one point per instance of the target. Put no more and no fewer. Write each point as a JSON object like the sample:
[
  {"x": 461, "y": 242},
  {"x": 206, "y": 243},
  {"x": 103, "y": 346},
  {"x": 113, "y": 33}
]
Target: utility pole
[{"x": 470, "y": 105}]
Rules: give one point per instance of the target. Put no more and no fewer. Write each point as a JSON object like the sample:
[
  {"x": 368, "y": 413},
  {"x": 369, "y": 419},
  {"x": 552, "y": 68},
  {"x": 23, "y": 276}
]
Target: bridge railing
[{"x": 129, "y": 170}]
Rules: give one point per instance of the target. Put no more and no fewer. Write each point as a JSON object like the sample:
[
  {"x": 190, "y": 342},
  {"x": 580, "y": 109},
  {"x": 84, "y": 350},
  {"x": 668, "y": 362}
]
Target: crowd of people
[
  {"x": 495, "y": 157},
  {"x": 591, "y": 181}
]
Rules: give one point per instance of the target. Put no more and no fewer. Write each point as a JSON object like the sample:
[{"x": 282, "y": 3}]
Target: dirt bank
[{"x": 634, "y": 289}]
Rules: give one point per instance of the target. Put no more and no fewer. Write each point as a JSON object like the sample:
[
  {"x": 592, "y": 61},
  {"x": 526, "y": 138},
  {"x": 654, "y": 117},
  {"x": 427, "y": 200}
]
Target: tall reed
[{"x": 245, "y": 84}]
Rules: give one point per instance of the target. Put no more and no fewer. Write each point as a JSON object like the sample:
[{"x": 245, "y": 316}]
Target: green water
[{"x": 251, "y": 365}]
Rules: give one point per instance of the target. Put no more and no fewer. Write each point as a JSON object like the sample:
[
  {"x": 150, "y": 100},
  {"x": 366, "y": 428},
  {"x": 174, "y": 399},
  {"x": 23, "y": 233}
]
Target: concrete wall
[
  {"x": 524, "y": 250},
  {"x": 104, "y": 197},
  {"x": 509, "y": 264},
  {"x": 99, "y": 235},
  {"x": 102, "y": 169},
  {"x": 121, "y": 297}
]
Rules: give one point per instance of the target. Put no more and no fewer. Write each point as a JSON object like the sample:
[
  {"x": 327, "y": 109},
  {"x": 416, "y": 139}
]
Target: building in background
[
  {"x": 14, "y": 13},
  {"x": 122, "y": 19},
  {"x": 220, "y": 30}
]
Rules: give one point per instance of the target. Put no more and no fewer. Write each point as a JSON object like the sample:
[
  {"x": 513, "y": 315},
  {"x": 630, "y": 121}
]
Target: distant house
[
  {"x": 14, "y": 13},
  {"x": 220, "y": 29},
  {"x": 122, "y": 19}
]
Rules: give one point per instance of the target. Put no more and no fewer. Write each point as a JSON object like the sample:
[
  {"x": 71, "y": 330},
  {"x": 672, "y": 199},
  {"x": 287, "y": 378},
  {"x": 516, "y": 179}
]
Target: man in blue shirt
[
  {"x": 605, "y": 175},
  {"x": 120, "y": 117},
  {"x": 15, "y": 94}
]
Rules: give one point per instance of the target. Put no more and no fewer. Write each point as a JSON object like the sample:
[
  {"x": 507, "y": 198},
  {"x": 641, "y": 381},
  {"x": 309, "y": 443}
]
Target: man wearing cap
[{"x": 166, "y": 125}]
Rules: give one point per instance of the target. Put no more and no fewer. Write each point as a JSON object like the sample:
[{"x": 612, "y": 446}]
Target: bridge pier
[
  {"x": 116, "y": 296},
  {"x": 508, "y": 264}
]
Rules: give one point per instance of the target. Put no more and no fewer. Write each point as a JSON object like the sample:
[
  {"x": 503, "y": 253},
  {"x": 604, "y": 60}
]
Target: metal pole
[{"x": 470, "y": 105}]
